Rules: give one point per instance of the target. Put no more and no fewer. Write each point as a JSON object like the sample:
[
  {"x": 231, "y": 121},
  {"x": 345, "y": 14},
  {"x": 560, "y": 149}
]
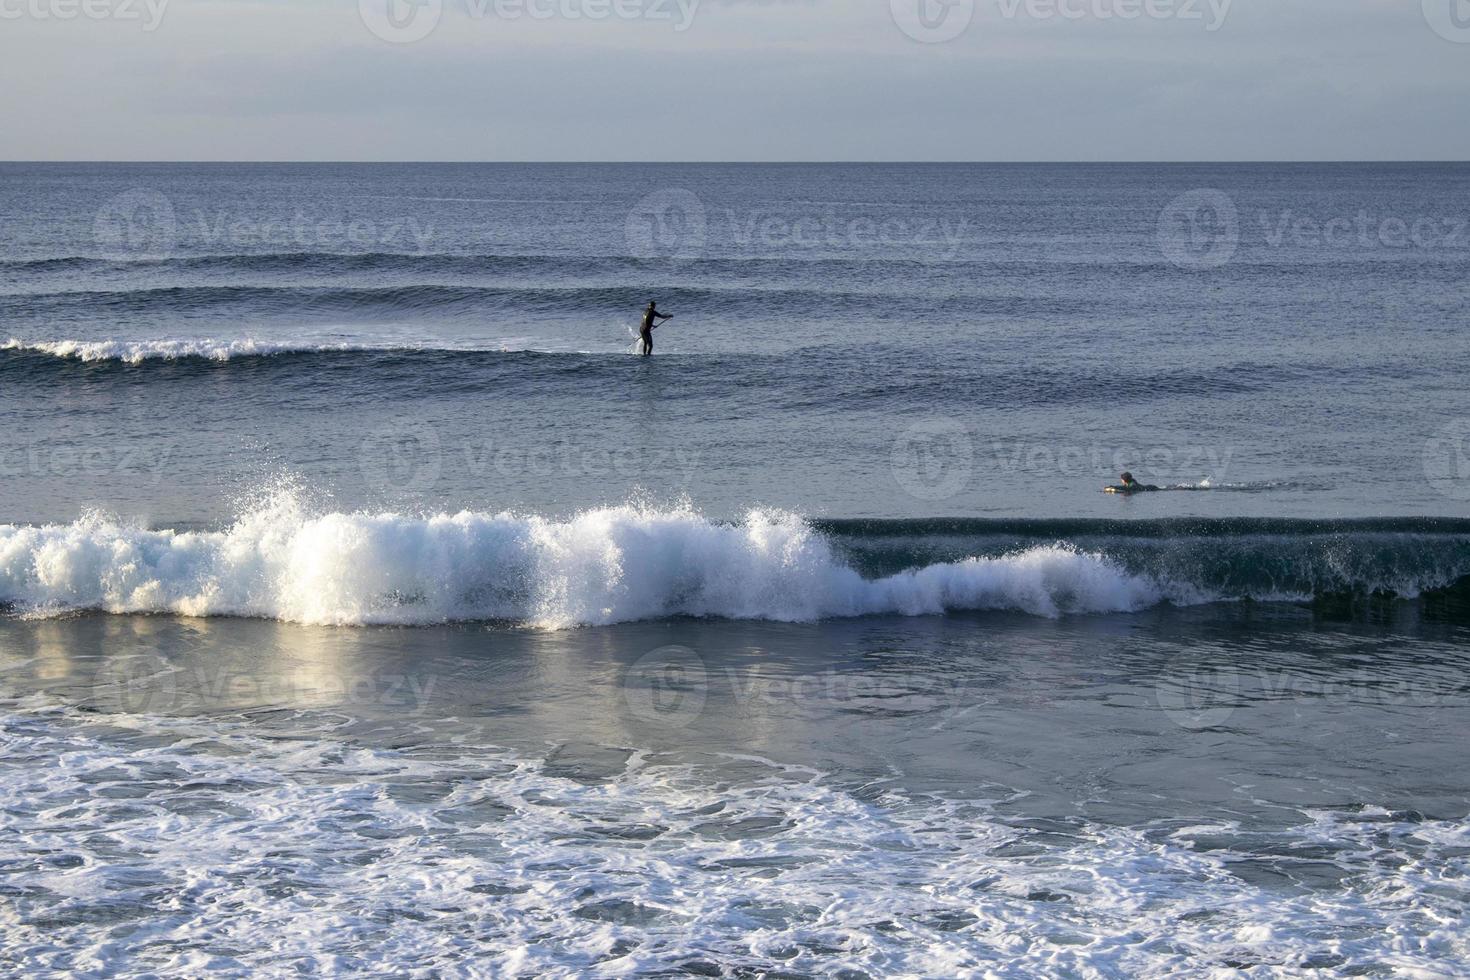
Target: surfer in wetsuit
[
  {"x": 1131, "y": 485},
  {"x": 651, "y": 316}
]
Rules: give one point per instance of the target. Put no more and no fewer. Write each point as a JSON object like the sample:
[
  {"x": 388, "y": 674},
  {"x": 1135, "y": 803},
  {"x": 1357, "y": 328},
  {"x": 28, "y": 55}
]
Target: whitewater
[
  {"x": 602, "y": 566},
  {"x": 286, "y": 558},
  {"x": 225, "y": 349}
]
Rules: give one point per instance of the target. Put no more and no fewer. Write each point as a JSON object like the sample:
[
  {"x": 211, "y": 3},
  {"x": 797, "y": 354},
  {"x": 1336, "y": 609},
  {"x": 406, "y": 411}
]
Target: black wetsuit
[{"x": 651, "y": 317}]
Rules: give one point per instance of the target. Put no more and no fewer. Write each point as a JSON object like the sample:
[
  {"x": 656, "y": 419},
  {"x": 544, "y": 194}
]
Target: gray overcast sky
[{"x": 734, "y": 79}]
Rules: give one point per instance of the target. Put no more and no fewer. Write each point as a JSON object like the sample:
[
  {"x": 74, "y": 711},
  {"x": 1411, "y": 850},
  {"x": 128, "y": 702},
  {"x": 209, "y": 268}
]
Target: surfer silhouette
[
  {"x": 651, "y": 317},
  {"x": 1131, "y": 486}
]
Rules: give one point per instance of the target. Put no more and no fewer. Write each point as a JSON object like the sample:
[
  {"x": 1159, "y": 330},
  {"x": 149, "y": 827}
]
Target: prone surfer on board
[
  {"x": 1131, "y": 486},
  {"x": 651, "y": 316}
]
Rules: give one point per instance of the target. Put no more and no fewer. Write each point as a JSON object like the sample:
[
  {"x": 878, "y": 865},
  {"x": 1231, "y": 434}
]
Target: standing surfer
[{"x": 651, "y": 316}]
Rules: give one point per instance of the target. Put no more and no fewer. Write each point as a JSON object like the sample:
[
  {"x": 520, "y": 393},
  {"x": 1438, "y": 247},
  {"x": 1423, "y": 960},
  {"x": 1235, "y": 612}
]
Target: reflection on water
[
  {"x": 1304, "y": 705},
  {"x": 1179, "y": 790}
]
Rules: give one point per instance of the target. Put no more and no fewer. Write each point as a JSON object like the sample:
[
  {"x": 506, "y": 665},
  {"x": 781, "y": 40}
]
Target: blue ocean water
[{"x": 363, "y": 589}]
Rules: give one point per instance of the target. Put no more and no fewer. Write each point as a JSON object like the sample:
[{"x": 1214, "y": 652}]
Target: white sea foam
[
  {"x": 145, "y": 846},
  {"x": 223, "y": 349},
  {"x": 138, "y": 351},
  {"x": 620, "y": 564}
]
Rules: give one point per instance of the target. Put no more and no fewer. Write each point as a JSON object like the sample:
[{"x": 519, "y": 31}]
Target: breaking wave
[{"x": 631, "y": 563}]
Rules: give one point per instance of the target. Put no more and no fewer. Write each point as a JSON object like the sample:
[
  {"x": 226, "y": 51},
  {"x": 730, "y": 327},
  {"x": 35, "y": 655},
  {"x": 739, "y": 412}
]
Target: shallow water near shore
[{"x": 1222, "y": 788}]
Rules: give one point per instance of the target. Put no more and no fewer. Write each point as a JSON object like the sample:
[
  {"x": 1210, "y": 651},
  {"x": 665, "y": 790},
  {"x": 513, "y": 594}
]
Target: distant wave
[
  {"x": 450, "y": 262},
  {"x": 138, "y": 351},
  {"x": 624, "y": 564},
  {"x": 290, "y": 260},
  {"x": 418, "y": 298},
  {"x": 856, "y": 388},
  {"x": 222, "y": 350},
  {"x": 444, "y": 301}
]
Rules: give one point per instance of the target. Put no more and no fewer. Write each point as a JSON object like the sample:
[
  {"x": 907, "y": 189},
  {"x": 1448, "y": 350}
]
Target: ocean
[{"x": 368, "y": 605}]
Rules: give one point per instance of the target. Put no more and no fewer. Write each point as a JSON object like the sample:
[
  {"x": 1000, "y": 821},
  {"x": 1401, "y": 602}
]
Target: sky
[{"x": 735, "y": 80}]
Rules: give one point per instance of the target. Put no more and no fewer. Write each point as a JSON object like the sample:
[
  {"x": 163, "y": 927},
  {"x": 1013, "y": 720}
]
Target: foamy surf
[
  {"x": 603, "y": 566},
  {"x": 138, "y": 351},
  {"x": 653, "y": 868},
  {"x": 220, "y": 350}
]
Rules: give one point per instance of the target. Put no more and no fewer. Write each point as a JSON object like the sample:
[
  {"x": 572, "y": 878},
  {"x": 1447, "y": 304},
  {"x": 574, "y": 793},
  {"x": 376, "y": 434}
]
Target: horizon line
[{"x": 751, "y": 163}]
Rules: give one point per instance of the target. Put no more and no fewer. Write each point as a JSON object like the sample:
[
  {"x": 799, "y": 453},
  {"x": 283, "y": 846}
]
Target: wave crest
[
  {"x": 635, "y": 563},
  {"x": 138, "y": 351},
  {"x": 602, "y": 566}
]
